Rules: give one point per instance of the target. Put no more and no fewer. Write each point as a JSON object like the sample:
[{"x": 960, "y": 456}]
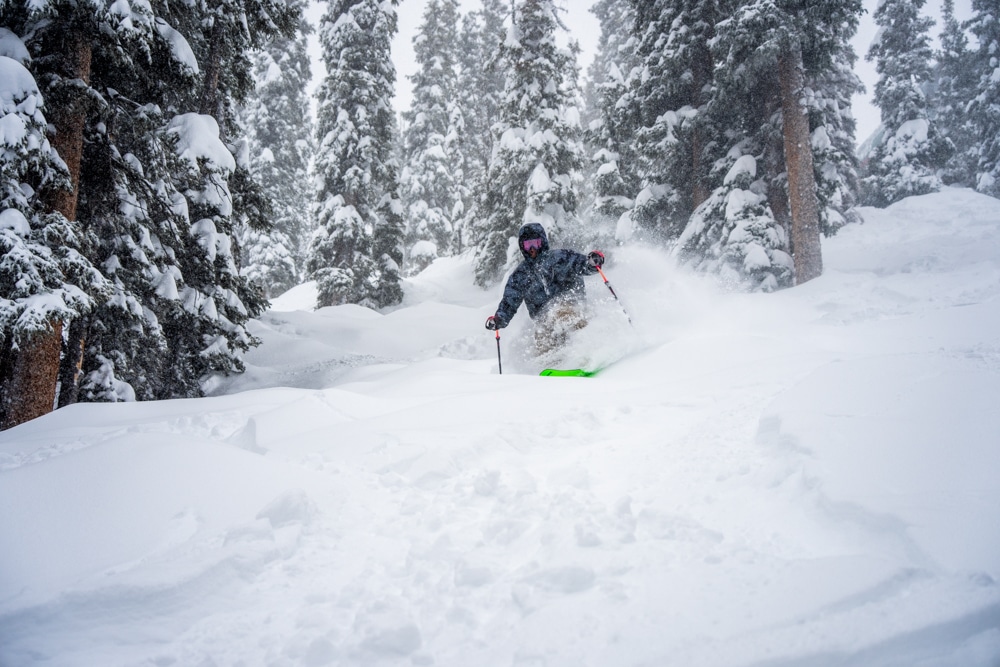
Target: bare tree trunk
[
  {"x": 69, "y": 124},
  {"x": 72, "y": 362},
  {"x": 213, "y": 70},
  {"x": 31, "y": 391},
  {"x": 802, "y": 199}
]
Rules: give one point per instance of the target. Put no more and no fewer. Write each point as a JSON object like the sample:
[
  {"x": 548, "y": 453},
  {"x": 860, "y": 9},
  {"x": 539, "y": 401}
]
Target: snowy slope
[{"x": 802, "y": 478}]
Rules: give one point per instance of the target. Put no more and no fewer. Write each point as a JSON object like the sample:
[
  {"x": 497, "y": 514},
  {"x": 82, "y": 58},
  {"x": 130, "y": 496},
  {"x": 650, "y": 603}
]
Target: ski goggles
[{"x": 531, "y": 244}]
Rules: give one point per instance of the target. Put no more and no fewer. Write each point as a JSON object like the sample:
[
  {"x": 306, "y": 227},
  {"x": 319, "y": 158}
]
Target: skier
[{"x": 550, "y": 283}]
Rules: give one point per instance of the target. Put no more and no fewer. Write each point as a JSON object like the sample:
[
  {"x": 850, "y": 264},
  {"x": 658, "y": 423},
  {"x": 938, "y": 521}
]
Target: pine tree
[
  {"x": 733, "y": 233},
  {"x": 481, "y": 83},
  {"x": 156, "y": 212},
  {"x": 44, "y": 279},
  {"x": 174, "y": 253},
  {"x": 610, "y": 126},
  {"x": 434, "y": 125},
  {"x": 281, "y": 135},
  {"x": 769, "y": 57},
  {"x": 668, "y": 97},
  {"x": 834, "y": 139},
  {"x": 481, "y": 76},
  {"x": 356, "y": 252},
  {"x": 955, "y": 87},
  {"x": 914, "y": 149},
  {"x": 221, "y": 195},
  {"x": 129, "y": 204},
  {"x": 537, "y": 152},
  {"x": 985, "y": 106}
]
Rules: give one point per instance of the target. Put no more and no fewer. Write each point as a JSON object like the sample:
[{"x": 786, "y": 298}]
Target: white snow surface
[{"x": 802, "y": 478}]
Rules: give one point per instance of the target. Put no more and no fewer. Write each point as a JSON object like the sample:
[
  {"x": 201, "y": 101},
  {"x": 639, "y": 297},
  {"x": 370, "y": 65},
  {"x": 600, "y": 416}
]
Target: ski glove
[
  {"x": 596, "y": 259},
  {"x": 493, "y": 324}
]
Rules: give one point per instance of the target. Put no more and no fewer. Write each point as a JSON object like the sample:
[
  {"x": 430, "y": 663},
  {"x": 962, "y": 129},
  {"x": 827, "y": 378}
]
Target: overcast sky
[{"x": 583, "y": 27}]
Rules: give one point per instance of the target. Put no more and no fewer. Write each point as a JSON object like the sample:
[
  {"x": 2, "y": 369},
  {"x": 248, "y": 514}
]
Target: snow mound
[{"x": 799, "y": 478}]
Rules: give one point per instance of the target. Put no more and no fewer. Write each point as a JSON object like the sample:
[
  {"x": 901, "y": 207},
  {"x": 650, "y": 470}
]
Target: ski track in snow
[{"x": 797, "y": 479}]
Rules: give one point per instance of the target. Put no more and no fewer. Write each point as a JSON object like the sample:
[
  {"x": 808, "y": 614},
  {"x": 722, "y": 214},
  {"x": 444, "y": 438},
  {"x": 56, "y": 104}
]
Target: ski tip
[{"x": 571, "y": 372}]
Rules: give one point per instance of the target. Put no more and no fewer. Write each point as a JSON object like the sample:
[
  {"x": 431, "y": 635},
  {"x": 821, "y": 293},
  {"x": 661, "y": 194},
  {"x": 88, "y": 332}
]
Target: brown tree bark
[
  {"x": 72, "y": 362},
  {"x": 802, "y": 199},
  {"x": 213, "y": 70},
  {"x": 69, "y": 122},
  {"x": 32, "y": 390}
]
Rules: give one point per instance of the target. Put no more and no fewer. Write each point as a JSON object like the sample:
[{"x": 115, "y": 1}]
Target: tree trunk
[
  {"x": 72, "y": 362},
  {"x": 32, "y": 390},
  {"x": 213, "y": 70},
  {"x": 802, "y": 199},
  {"x": 69, "y": 122}
]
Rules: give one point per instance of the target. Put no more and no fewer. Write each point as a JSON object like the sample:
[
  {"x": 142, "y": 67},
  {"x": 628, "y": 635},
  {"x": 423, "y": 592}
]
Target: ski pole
[
  {"x": 605, "y": 278},
  {"x": 499, "y": 361}
]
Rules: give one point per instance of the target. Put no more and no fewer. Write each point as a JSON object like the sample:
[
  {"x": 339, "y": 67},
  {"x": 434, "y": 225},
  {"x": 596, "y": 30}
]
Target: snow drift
[{"x": 801, "y": 478}]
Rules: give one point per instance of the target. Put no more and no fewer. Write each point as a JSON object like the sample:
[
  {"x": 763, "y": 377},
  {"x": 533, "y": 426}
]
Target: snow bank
[{"x": 798, "y": 478}]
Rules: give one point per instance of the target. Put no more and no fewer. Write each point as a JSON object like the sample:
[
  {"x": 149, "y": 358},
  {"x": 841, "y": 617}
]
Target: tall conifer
[
  {"x": 282, "y": 140},
  {"x": 955, "y": 88},
  {"x": 913, "y": 151},
  {"x": 356, "y": 252},
  {"x": 985, "y": 106},
  {"x": 432, "y": 138},
  {"x": 767, "y": 123},
  {"x": 44, "y": 279},
  {"x": 537, "y": 152},
  {"x": 611, "y": 127}
]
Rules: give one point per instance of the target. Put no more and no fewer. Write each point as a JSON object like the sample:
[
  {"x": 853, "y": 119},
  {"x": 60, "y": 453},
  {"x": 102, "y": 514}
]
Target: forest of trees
[{"x": 162, "y": 175}]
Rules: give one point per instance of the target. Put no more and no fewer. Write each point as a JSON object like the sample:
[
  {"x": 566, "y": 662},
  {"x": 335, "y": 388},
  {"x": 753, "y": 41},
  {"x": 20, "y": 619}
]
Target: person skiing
[{"x": 550, "y": 284}]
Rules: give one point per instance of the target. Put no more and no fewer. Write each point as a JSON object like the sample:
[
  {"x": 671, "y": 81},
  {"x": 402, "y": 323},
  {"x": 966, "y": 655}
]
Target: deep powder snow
[{"x": 800, "y": 478}]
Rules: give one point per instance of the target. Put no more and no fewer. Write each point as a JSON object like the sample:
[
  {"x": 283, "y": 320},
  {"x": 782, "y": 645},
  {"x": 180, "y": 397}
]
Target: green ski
[{"x": 572, "y": 372}]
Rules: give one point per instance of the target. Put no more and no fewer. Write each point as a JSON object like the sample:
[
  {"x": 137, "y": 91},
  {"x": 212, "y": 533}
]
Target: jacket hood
[{"x": 532, "y": 230}]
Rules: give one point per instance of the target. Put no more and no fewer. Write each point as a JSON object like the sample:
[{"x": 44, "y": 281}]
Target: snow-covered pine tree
[
  {"x": 610, "y": 126},
  {"x": 44, "y": 279},
  {"x": 217, "y": 297},
  {"x": 279, "y": 128},
  {"x": 433, "y": 167},
  {"x": 537, "y": 151},
  {"x": 481, "y": 76},
  {"x": 765, "y": 52},
  {"x": 733, "y": 233},
  {"x": 834, "y": 140},
  {"x": 356, "y": 252},
  {"x": 955, "y": 85},
  {"x": 984, "y": 108},
  {"x": 202, "y": 302},
  {"x": 667, "y": 96},
  {"x": 130, "y": 202},
  {"x": 119, "y": 75},
  {"x": 914, "y": 149},
  {"x": 480, "y": 90}
]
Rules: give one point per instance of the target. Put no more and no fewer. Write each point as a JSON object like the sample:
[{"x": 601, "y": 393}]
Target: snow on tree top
[
  {"x": 15, "y": 221},
  {"x": 179, "y": 46},
  {"x": 198, "y": 137},
  {"x": 11, "y": 46},
  {"x": 424, "y": 249},
  {"x": 16, "y": 84},
  {"x": 745, "y": 165}
]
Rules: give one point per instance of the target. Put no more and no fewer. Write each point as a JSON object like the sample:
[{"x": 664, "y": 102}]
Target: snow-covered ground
[{"x": 805, "y": 478}]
